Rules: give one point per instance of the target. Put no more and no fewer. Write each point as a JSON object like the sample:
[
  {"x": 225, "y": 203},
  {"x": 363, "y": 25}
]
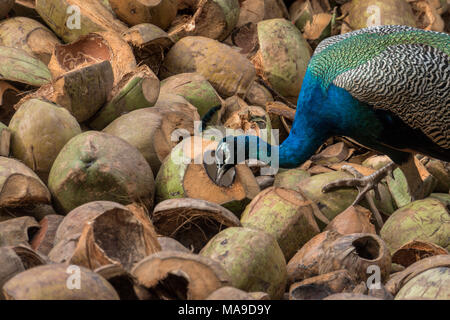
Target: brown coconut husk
[
  {"x": 230, "y": 293},
  {"x": 9, "y": 96},
  {"x": 416, "y": 250},
  {"x": 193, "y": 222},
  {"x": 18, "y": 231},
  {"x": 5, "y": 140},
  {"x": 169, "y": 275},
  {"x": 121, "y": 280},
  {"x": 43, "y": 240},
  {"x": 5, "y": 7},
  {"x": 170, "y": 244},
  {"x": 354, "y": 219},
  {"x": 333, "y": 154}
]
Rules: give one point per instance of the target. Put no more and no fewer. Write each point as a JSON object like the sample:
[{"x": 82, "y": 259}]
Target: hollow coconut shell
[
  {"x": 18, "y": 231},
  {"x": 150, "y": 129},
  {"x": 432, "y": 284},
  {"x": 414, "y": 251},
  {"x": 194, "y": 88},
  {"x": 49, "y": 282},
  {"x": 158, "y": 12},
  {"x": 5, "y": 7},
  {"x": 138, "y": 89},
  {"x": 305, "y": 263},
  {"x": 40, "y": 130},
  {"x": 11, "y": 265},
  {"x": 252, "y": 258},
  {"x": 229, "y": 293},
  {"x": 17, "y": 65},
  {"x": 426, "y": 220},
  {"x": 356, "y": 253},
  {"x": 94, "y": 16},
  {"x": 228, "y": 71},
  {"x": 284, "y": 214},
  {"x": 355, "y": 219},
  {"x": 122, "y": 281},
  {"x": 178, "y": 275},
  {"x": 258, "y": 95},
  {"x": 193, "y": 222},
  {"x": 170, "y": 244},
  {"x": 9, "y": 97},
  {"x": 213, "y": 19},
  {"x": 257, "y": 10},
  {"x": 98, "y": 166},
  {"x": 184, "y": 175},
  {"x": 5, "y": 140},
  {"x": 365, "y": 13},
  {"x": 283, "y": 69},
  {"x": 29, "y": 35},
  {"x": 20, "y": 186},
  {"x": 43, "y": 240}
]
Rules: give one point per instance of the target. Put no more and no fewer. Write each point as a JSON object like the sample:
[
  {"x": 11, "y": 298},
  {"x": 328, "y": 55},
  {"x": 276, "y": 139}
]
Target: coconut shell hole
[
  {"x": 367, "y": 248},
  {"x": 173, "y": 287}
]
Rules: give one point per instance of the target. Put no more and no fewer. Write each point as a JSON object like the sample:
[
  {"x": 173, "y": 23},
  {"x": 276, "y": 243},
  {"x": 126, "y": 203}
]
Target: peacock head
[{"x": 224, "y": 157}]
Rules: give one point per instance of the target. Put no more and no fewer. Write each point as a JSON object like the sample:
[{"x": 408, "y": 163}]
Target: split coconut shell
[
  {"x": 50, "y": 282},
  {"x": 122, "y": 281},
  {"x": 414, "y": 251},
  {"x": 97, "y": 166},
  {"x": 252, "y": 258},
  {"x": 18, "y": 231},
  {"x": 174, "y": 275},
  {"x": 255, "y": 11},
  {"x": 354, "y": 219},
  {"x": 193, "y": 222},
  {"x": 9, "y": 97},
  {"x": 40, "y": 130},
  {"x": 5, "y": 140},
  {"x": 170, "y": 244},
  {"x": 284, "y": 214},
  {"x": 43, "y": 240},
  {"x": 228, "y": 71},
  {"x": 426, "y": 220},
  {"x": 184, "y": 174}
]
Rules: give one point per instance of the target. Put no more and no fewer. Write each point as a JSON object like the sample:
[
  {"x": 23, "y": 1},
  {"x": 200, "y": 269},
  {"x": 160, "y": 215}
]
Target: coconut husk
[
  {"x": 333, "y": 154},
  {"x": 43, "y": 240},
  {"x": 213, "y": 19},
  {"x": 252, "y": 258},
  {"x": 9, "y": 96},
  {"x": 50, "y": 282},
  {"x": 354, "y": 219},
  {"x": 171, "y": 275},
  {"x": 228, "y": 72},
  {"x": 428, "y": 14},
  {"x": 289, "y": 179},
  {"x": 229, "y": 293},
  {"x": 5, "y": 140},
  {"x": 158, "y": 12},
  {"x": 18, "y": 231},
  {"x": 440, "y": 171},
  {"x": 5, "y": 7},
  {"x": 350, "y": 296},
  {"x": 414, "y": 251},
  {"x": 94, "y": 17},
  {"x": 355, "y": 253},
  {"x": 121, "y": 280},
  {"x": 281, "y": 118},
  {"x": 432, "y": 284},
  {"x": 97, "y": 166},
  {"x": 184, "y": 174},
  {"x": 170, "y": 244},
  {"x": 28, "y": 35},
  {"x": 255, "y": 11},
  {"x": 193, "y": 222},
  {"x": 258, "y": 95},
  {"x": 138, "y": 89},
  {"x": 11, "y": 265}
]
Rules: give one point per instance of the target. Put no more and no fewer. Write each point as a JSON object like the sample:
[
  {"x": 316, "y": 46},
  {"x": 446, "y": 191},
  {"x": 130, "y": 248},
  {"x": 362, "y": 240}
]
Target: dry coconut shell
[
  {"x": 213, "y": 19},
  {"x": 5, "y": 140},
  {"x": 174, "y": 275},
  {"x": 319, "y": 287},
  {"x": 150, "y": 44},
  {"x": 305, "y": 263},
  {"x": 355, "y": 253},
  {"x": 94, "y": 16},
  {"x": 289, "y": 179},
  {"x": 194, "y": 88},
  {"x": 40, "y": 130},
  {"x": 138, "y": 89},
  {"x": 193, "y": 222},
  {"x": 5, "y": 7},
  {"x": 184, "y": 174},
  {"x": 230, "y": 293},
  {"x": 20, "y": 186},
  {"x": 97, "y": 166},
  {"x": 228, "y": 71},
  {"x": 50, "y": 282},
  {"x": 114, "y": 237},
  {"x": 17, "y": 65},
  {"x": 18, "y": 231},
  {"x": 151, "y": 130},
  {"x": 426, "y": 220},
  {"x": 91, "y": 49},
  {"x": 333, "y": 154},
  {"x": 9, "y": 96},
  {"x": 282, "y": 57},
  {"x": 354, "y": 219},
  {"x": 43, "y": 240},
  {"x": 400, "y": 279},
  {"x": 428, "y": 14},
  {"x": 158, "y": 12},
  {"x": 170, "y": 244},
  {"x": 258, "y": 95},
  {"x": 252, "y": 258},
  {"x": 284, "y": 214},
  {"x": 29, "y": 35},
  {"x": 365, "y": 13},
  {"x": 121, "y": 280},
  {"x": 257, "y": 10},
  {"x": 350, "y": 296},
  {"x": 414, "y": 251},
  {"x": 441, "y": 171}
]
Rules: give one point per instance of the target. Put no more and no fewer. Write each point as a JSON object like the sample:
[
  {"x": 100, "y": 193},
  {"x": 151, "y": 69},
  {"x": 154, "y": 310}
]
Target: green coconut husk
[
  {"x": 443, "y": 197},
  {"x": 34, "y": 120},
  {"x": 432, "y": 284},
  {"x": 97, "y": 166},
  {"x": 258, "y": 95},
  {"x": 50, "y": 282},
  {"x": 289, "y": 179},
  {"x": 94, "y": 17},
  {"x": 29, "y": 35},
  {"x": 252, "y": 258},
  {"x": 229, "y": 72},
  {"x": 426, "y": 220},
  {"x": 284, "y": 214},
  {"x": 136, "y": 90},
  {"x": 439, "y": 170},
  {"x": 184, "y": 175},
  {"x": 301, "y": 14},
  {"x": 194, "y": 88},
  {"x": 282, "y": 57},
  {"x": 17, "y": 65}
]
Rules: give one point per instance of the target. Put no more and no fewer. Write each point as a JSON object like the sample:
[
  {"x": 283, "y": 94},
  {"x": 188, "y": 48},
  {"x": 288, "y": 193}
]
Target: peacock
[{"x": 385, "y": 87}]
